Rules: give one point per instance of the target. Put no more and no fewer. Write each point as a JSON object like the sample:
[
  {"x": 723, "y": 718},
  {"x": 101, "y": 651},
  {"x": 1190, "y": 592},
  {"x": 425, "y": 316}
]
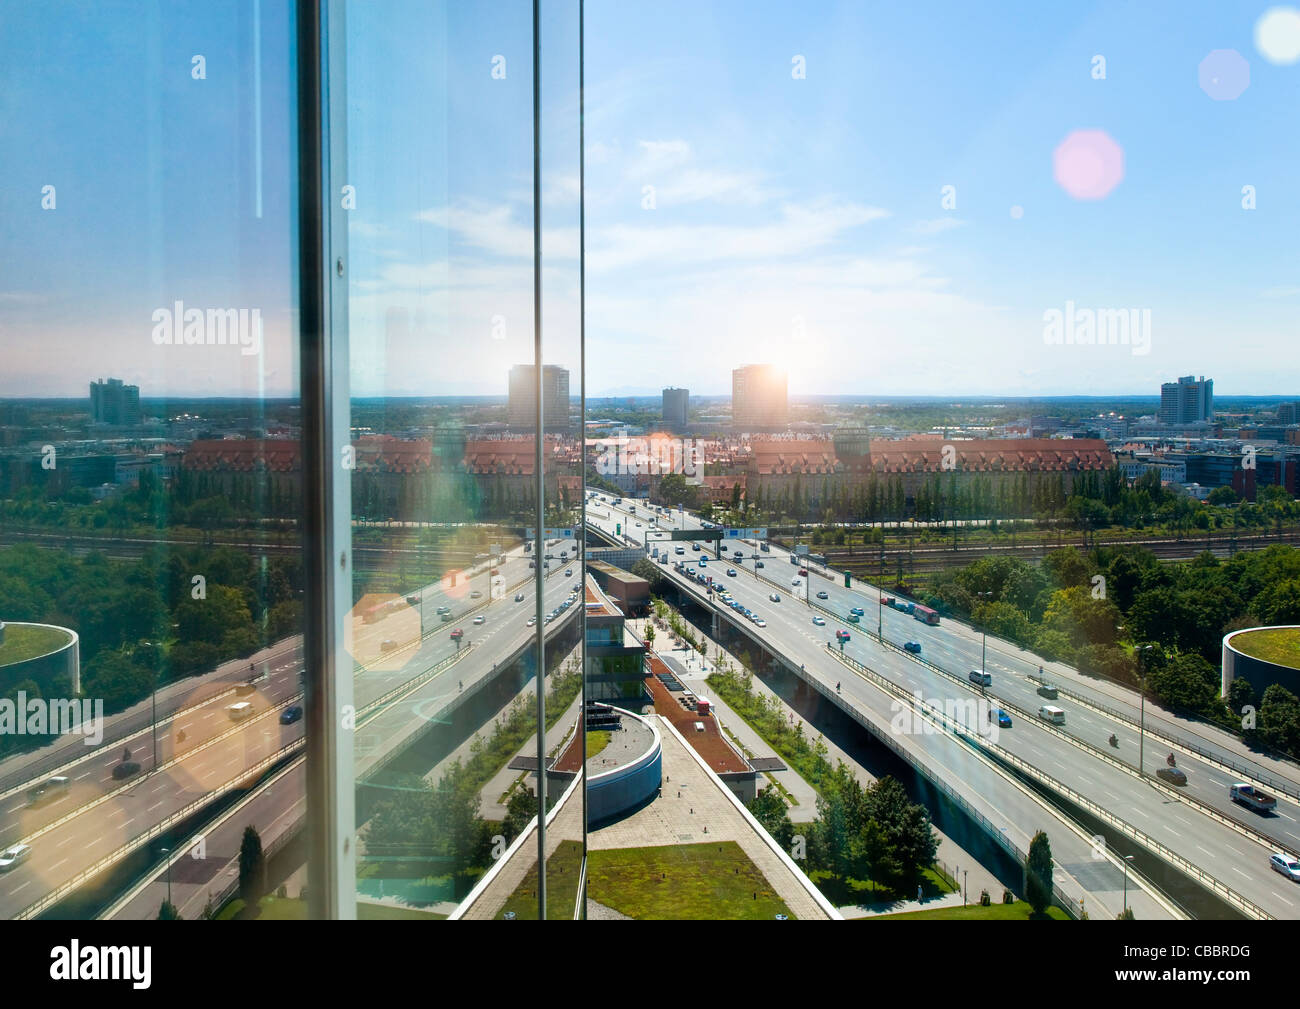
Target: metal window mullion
[
  {"x": 538, "y": 461},
  {"x": 327, "y": 488}
]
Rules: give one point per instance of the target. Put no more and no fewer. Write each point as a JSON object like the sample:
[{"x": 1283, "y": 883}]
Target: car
[
  {"x": 983, "y": 679},
  {"x": 48, "y": 788},
  {"x": 457, "y": 634},
  {"x": 15, "y": 856},
  {"x": 819, "y": 621},
  {"x": 679, "y": 550},
  {"x": 803, "y": 572},
  {"x": 519, "y": 597},
  {"x": 443, "y": 609},
  {"x": 723, "y": 547},
  {"x": 476, "y": 594},
  {"x": 794, "y": 581},
  {"x": 695, "y": 547},
  {"x": 857, "y": 611},
  {"x": 1173, "y": 775},
  {"x": 731, "y": 572},
  {"x": 758, "y": 564},
  {"x": 532, "y": 565},
  {"x": 1285, "y": 864},
  {"x": 774, "y": 597},
  {"x": 387, "y": 645},
  {"x": 638, "y": 525},
  {"x": 913, "y": 646},
  {"x": 480, "y": 619},
  {"x": 290, "y": 714},
  {"x": 823, "y": 595},
  {"x": 532, "y": 621},
  {"x": 550, "y": 617},
  {"x": 761, "y": 622},
  {"x": 568, "y": 572},
  {"x": 125, "y": 769},
  {"x": 738, "y": 555},
  {"x": 445, "y": 618},
  {"x": 842, "y": 635},
  {"x": 1003, "y": 719},
  {"x": 704, "y": 562}
]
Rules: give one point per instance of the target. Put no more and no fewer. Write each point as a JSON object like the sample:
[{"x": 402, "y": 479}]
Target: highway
[
  {"x": 99, "y": 818},
  {"x": 1236, "y": 860}
]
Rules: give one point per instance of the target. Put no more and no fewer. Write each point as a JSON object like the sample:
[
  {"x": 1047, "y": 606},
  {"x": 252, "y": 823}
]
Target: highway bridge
[{"x": 1194, "y": 827}]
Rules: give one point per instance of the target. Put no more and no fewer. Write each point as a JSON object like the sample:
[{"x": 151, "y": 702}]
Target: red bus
[{"x": 926, "y": 615}]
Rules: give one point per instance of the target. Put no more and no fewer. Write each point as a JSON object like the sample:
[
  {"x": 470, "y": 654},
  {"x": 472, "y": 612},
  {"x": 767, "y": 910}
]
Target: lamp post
[
  {"x": 167, "y": 853},
  {"x": 1142, "y": 707},
  {"x": 1127, "y": 860},
  {"x": 984, "y": 631}
]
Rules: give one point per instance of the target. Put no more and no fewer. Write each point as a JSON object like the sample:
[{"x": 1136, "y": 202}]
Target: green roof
[
  {"x": 27, "y": 641},
  {"x": 1280, "y": 645}
]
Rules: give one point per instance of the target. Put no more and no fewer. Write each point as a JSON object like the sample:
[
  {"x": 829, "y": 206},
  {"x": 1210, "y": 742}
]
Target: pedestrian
[{"x": 918, "y": 893}]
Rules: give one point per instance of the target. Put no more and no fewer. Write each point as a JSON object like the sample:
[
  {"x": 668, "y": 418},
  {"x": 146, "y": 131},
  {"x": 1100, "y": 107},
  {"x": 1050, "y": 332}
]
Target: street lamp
[
  {"x": 1142, "y": 718},
  {"x": 984, "y": 630},
  {"x": 167, "y": 852}
]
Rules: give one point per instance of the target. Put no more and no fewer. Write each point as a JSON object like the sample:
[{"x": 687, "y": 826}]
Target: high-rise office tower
[
  {"x": 759, "y": 398},
  {"x": 675, "y": 409},
  {"x": 522, "y": 410},
  {"x": 111, "y": 402},
  {"x": 1187, "y": 401}
]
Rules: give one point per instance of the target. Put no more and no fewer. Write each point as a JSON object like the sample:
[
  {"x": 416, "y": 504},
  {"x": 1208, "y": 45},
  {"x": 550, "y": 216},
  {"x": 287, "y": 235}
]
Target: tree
[
  {"x": 1038, "y": 874},
  {"x": 252, "y": 867},
  {"x": 168, "y": 912},
  {"x": 520, "y": 811},
  {"x": 1125, "y": 915},
  {"x": 769, "y": 809}
]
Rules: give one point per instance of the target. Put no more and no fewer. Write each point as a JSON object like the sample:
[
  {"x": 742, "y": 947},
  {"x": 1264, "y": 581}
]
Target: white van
[
  {"x": 1051, "y": 713},
  {"x": 239, "y": 711}
]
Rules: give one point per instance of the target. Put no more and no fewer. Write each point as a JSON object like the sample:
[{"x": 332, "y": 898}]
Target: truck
[{"x": 1249, "y": 795}]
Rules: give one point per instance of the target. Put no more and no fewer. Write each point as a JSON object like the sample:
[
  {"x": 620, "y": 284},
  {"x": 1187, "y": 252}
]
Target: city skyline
[{"x": 801, "y": 226}]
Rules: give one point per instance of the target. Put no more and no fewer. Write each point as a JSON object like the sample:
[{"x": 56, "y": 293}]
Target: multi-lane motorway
[
  {"x": 202, "y": 752},
  {"x": 1233, "y": 847}
]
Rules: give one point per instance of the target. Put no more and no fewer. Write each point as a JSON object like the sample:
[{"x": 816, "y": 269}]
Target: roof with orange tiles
[
  {"x": 243, "y": 455},
  {"x": 926, "y": 455},
  {"x": 709, "y": 744}
]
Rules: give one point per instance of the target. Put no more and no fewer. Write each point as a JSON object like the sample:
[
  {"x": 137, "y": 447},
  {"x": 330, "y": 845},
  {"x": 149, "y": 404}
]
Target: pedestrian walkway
[
  {"x": 901, "y": 906},
  {"x": 953, "y": 858}
]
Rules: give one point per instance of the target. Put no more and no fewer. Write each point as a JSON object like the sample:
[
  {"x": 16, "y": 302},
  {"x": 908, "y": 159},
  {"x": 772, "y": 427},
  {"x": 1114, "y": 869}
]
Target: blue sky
[{"x": 797, "y": 221}]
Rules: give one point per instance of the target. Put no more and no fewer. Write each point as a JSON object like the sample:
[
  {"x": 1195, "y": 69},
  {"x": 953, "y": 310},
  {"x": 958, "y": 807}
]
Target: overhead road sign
[
  {"x": 744, "y": 534},
  {"x": 550, "y": 534}
]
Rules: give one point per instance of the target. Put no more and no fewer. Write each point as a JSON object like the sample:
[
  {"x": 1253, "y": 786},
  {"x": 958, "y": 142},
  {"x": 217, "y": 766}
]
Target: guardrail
[
  {"x": 175, "y": 759},
  {"x": 55, "y": 895},
  {"x": 1253, "y": 775},
  {"x": 939, "y": 781},
  {"x": 972, "y": 738},
  {"x": 49, "y": 770}
]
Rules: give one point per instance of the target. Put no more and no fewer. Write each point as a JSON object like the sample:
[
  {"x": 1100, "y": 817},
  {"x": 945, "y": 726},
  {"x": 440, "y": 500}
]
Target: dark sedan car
[{"x": 290, "y": 714}]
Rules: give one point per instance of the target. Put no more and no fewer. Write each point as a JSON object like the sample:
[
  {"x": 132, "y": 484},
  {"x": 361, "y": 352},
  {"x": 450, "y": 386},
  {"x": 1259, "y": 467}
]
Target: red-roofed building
[{"x": 815, "y": 473}]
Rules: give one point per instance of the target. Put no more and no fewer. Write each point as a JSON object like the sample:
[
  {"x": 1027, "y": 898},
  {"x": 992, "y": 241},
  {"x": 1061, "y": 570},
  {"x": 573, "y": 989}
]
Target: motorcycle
[{"x": 1114, "y": 741}]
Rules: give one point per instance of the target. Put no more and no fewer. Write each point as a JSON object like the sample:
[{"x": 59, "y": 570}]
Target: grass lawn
[
  {"x": 597, "y": 740},
  {"x": 22, "y": 643},
  {"x": 291, "y": 909},
  {"x": 1019, "y": 911},
  {"x": 1281, "y": 646},
  {"x": 700, "y": 882}
]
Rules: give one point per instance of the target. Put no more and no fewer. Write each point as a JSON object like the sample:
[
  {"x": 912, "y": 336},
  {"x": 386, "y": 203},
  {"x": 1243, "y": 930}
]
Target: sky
[{"x": 881, "y": 199}]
